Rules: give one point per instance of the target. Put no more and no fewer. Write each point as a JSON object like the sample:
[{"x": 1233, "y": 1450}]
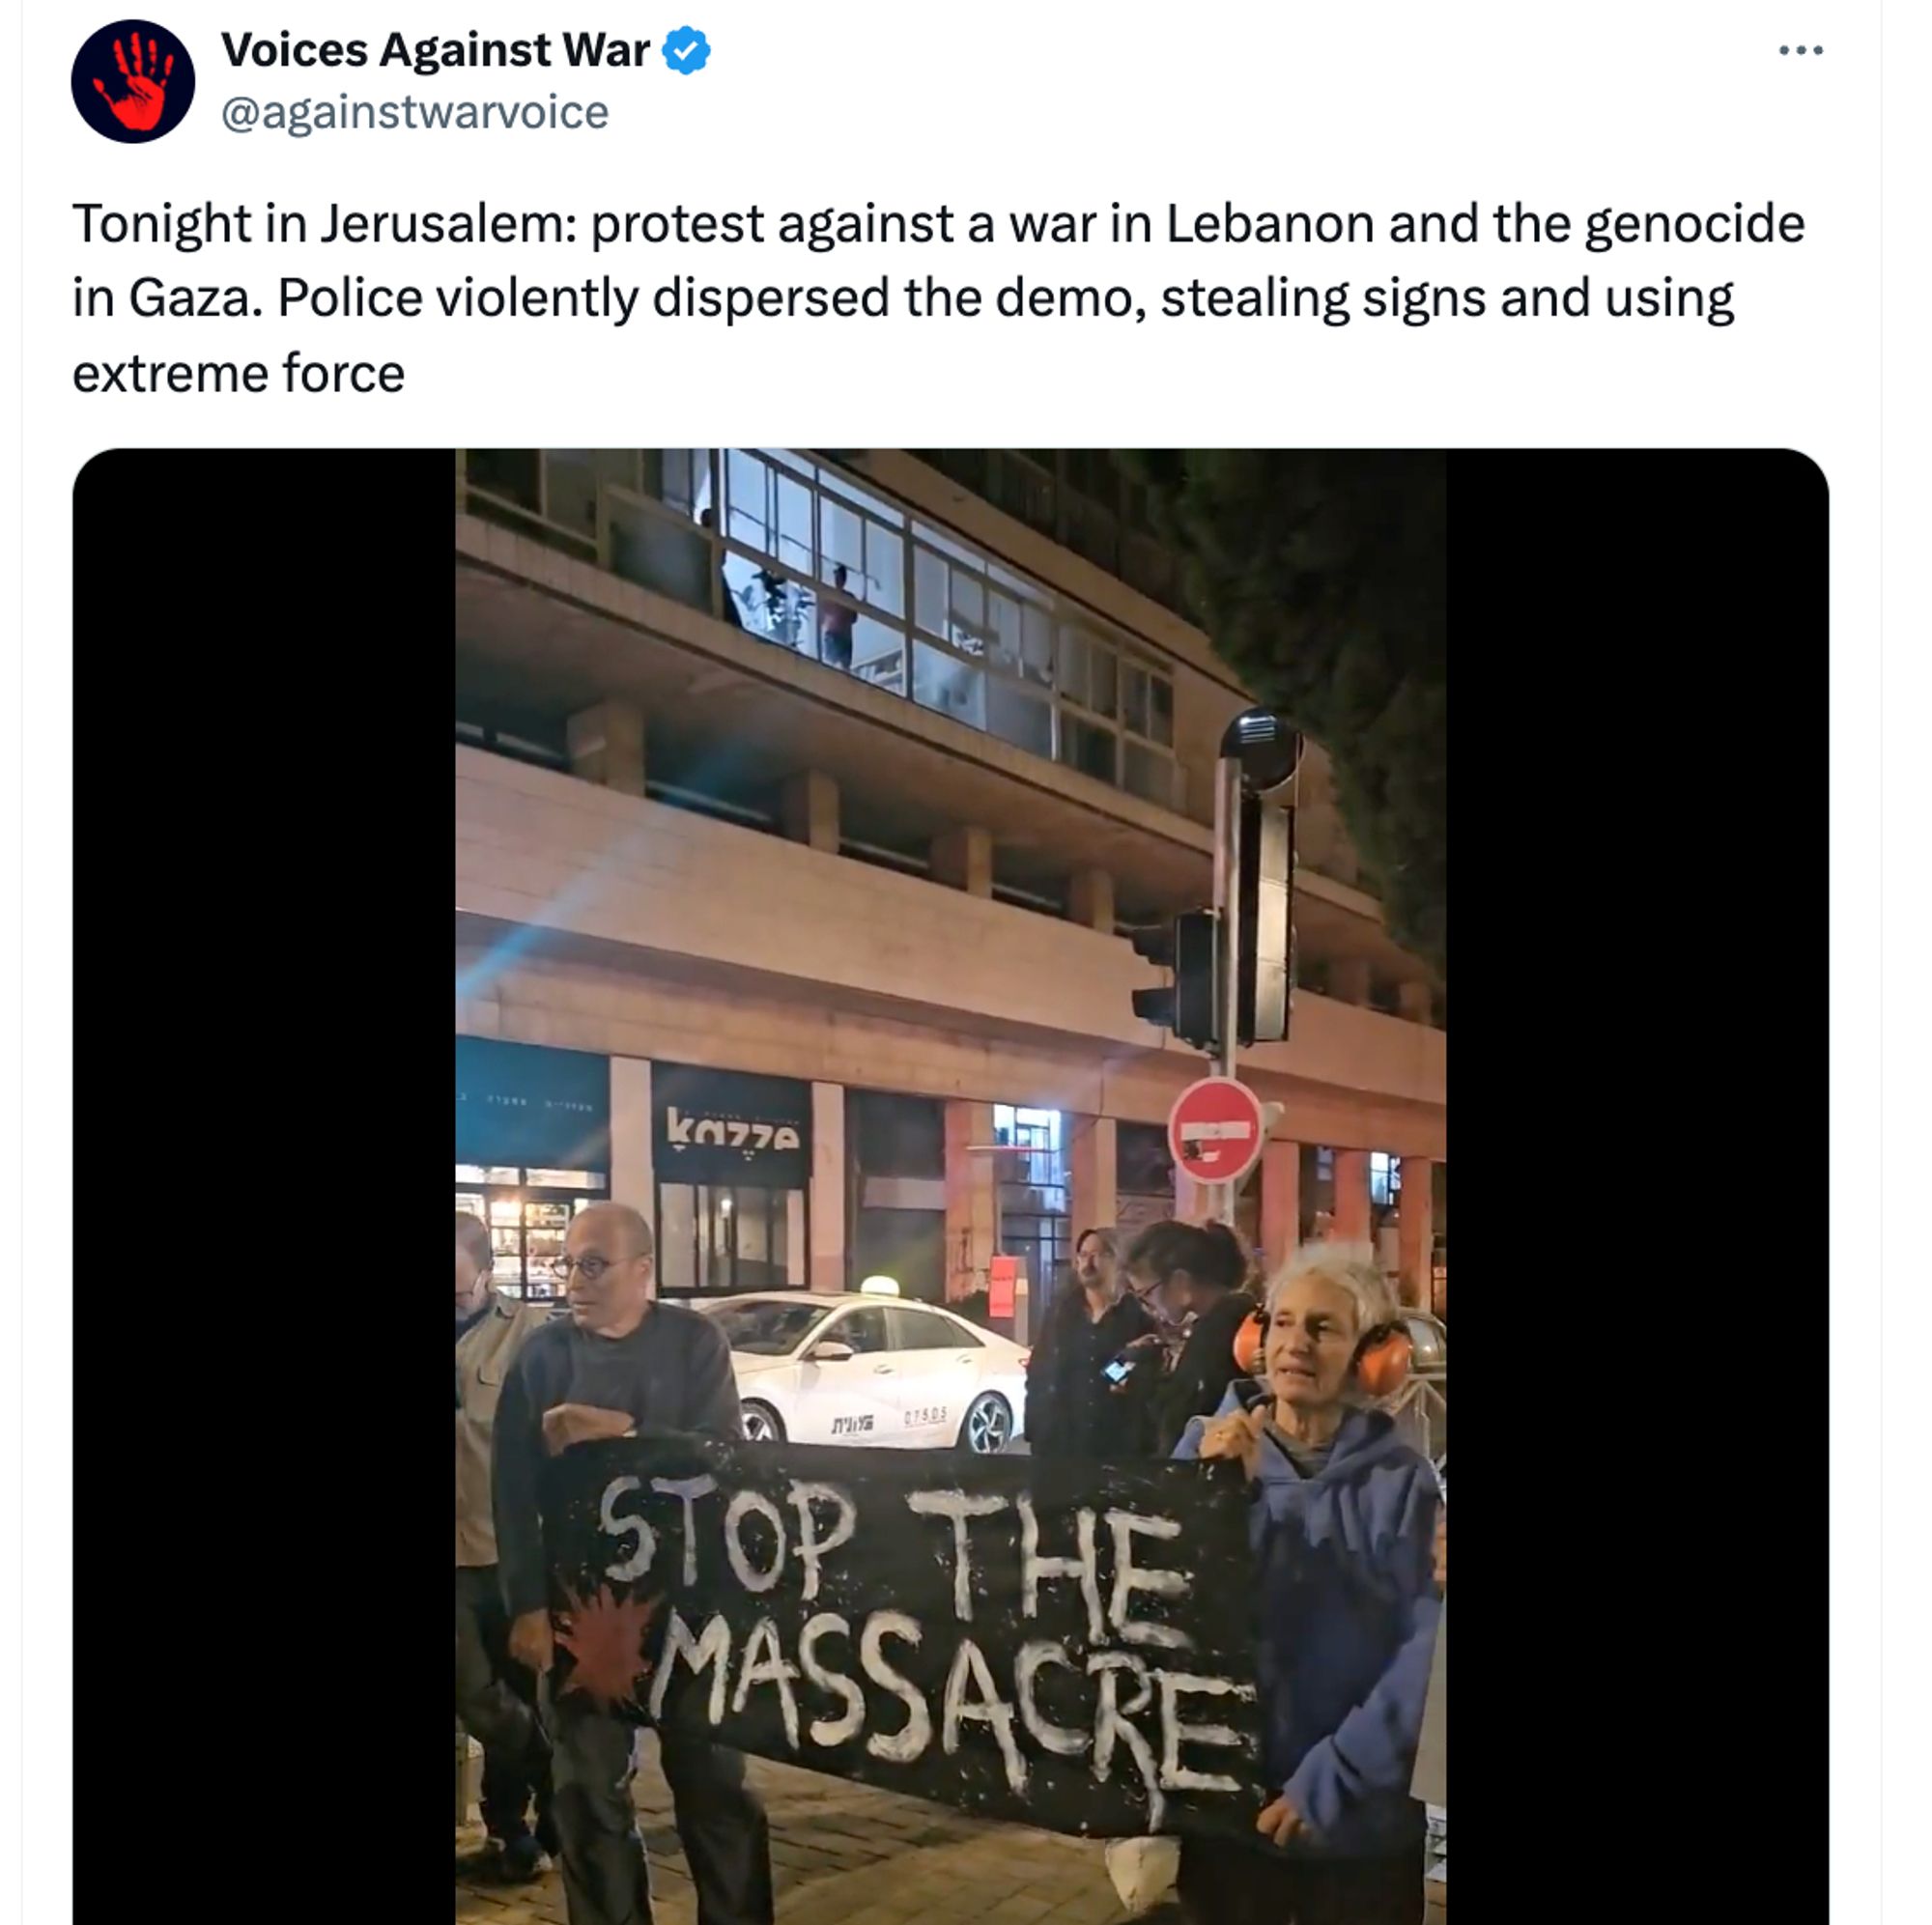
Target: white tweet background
[{"x": 1002, "y": 106}]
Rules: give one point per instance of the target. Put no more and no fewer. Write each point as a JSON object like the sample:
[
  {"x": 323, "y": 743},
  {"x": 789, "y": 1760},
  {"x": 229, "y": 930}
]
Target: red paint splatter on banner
[{"x": 605, "y": 1636}]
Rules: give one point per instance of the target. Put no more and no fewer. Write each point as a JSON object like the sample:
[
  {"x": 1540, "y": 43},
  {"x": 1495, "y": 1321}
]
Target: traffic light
[
  {"x": 1185, "y": 948},
  {"x": 1267, "y": 922}
]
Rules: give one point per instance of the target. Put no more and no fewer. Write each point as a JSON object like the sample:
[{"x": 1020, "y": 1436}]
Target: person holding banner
[
  {"x": 1344, "y": 1532},
  {"x": 620, "y": 1365}
]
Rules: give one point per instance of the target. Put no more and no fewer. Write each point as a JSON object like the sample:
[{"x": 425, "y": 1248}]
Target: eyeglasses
[{"x": 589, "y": 1269}]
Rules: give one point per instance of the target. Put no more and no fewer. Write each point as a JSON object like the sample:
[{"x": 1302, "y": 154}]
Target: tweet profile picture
[{"x": 133, "y": 82}]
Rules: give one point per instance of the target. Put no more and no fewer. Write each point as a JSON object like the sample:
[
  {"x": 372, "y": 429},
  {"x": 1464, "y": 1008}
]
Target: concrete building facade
[{"x": 804, "y": 805}]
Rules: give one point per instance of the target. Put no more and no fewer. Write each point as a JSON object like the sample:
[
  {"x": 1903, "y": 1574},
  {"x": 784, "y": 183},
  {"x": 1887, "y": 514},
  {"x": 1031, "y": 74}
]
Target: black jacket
[
  {"x": 1072, "y": 1410},
  {"x": 1203, "y": 1372},
  {"x": 673, "y": 1373}
]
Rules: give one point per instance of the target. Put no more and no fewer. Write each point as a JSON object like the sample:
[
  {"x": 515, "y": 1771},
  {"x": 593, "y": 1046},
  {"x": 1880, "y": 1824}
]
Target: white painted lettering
[
  {"x": 830, "y": 1730},
  {"x": 1058, "y": 1738},
  {"x": 713, "y": 1648},
  {"x": 1113, "y": 1723},
  {"x": 765, "y": 1663},
  {"x": 907, "y": 1745},
  {"x": 1124, "y": 1524},
  {"x": 811, "y": 1548},
  {"x": 638, "y": 1561},
  {"x": 690, "y": 1489},
  {"x": 1035, "y": 1570},
  {"x": 1174, "y": 1776},
  {"x": 742, "y": 1503},
  {"x": 958, "y": 1505},
  {"x": 969, "y": 1663}
]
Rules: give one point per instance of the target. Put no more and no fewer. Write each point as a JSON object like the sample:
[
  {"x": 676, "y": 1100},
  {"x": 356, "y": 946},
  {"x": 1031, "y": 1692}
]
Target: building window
[
  {"x": 1384, "y": 1178},
  {"x": 1031, "y": 1177},
  {"x": 805, "y": 558}
]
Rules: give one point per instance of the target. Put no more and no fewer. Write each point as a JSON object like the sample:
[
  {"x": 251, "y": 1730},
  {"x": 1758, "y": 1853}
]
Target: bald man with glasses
[{"x": 620, "y": 1365}]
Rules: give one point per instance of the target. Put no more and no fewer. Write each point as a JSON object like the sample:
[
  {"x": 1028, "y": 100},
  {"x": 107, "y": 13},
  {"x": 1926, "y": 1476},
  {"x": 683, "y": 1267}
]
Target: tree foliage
[{"x": 1321, "y": 579}]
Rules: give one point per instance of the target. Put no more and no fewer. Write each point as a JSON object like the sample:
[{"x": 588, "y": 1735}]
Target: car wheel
[
  {"x": 762, "y": 1424},
  {"x": 988, "y": 1426}
]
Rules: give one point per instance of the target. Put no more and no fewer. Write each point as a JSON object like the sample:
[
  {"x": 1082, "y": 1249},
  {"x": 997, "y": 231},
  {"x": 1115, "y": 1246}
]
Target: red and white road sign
[{"x": 1215, "y": 1129}]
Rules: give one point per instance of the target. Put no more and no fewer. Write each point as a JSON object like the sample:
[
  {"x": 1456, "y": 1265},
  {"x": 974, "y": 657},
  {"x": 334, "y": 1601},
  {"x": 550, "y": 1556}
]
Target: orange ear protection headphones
[
  {"x": 1381, "y": 1360},
  {"x": 1381, "y": 1363},
  {"x": 1249, "y": 1344}
]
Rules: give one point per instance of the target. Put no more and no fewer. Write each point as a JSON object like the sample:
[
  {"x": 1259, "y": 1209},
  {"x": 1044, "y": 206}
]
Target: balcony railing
[{"x": 804, "y": 556}]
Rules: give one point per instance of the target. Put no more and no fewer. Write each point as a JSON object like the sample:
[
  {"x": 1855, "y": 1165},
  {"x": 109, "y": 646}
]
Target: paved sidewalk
[{"x": 846, "y": 1855}]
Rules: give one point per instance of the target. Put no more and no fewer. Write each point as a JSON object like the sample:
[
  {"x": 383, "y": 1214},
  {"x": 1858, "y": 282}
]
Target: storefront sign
[
  {"x": 1065, "y": 1645},
  {"x": 521, "y": 1106},
  {"x": 709, "y": 1126}
]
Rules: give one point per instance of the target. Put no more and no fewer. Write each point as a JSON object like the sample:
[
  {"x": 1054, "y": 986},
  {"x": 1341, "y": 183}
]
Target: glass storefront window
[
  {"x": 717, "y": 1239},
  {"x": 527, "y": 1230}
]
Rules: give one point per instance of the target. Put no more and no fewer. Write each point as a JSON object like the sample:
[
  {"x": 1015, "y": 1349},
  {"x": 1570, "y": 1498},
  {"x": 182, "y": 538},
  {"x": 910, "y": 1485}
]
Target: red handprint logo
[{"x": 140, "y": 111}]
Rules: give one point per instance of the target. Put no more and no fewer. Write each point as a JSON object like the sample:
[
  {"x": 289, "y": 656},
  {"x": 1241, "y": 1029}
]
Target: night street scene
[{"x": 951, "y": 1204}]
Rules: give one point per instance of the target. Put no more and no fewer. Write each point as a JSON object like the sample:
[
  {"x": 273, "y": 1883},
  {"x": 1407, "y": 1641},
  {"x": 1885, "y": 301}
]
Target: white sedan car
[{"x": 864, "y": 1370}]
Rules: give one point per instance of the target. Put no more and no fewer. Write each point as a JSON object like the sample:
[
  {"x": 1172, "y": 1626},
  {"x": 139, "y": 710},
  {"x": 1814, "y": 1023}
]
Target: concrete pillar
[
  {"x": 969, "y": 1199},
  {"x": 1415, "y": 1226},
  {"x": 607, "y": 745},
  {"x": 1281, "y": 1201},
  {"x": 825, "y": 1269},
  {"x": 631, "y": 1174},
  {"x": 963, "y": 859},
  {"x": 1353, "y": 1219},
  {"x": 1348, "y": 980},
  {"x": 1092, "y": 1165},
  {"x": 1090, "y": 901},
  {"x": 808, "y": 810},
  {"x": 1416, "y": 1001}
]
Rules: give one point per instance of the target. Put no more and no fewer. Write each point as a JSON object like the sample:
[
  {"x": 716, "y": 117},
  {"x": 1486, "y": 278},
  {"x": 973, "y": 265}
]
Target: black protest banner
[{"x": 1064, "y": 1644}]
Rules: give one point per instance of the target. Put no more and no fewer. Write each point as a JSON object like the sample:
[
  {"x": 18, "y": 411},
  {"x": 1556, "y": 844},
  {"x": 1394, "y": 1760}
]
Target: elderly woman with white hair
[{"x": 1344, "y": 1532}]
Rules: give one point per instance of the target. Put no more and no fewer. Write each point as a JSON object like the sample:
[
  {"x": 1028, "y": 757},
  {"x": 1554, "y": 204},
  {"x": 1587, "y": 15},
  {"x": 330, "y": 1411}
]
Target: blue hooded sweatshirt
[{"x": 1347, "y": 1608}]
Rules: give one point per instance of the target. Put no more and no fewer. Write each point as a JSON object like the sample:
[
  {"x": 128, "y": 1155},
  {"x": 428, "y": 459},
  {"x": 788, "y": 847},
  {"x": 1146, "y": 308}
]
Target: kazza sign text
[
  {"x": 726, "y": 1133},
  {"x": 1067, "y": 1645}
]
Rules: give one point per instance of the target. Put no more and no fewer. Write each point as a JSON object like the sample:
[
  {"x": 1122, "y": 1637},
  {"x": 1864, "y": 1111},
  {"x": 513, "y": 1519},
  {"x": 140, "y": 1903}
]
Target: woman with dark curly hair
[{"x": 1197, "y": 1270}]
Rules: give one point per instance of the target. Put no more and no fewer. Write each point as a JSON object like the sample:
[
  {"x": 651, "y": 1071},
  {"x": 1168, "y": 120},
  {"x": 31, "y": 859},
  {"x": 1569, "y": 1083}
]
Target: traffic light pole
[{"x": 1228, "y": 938}]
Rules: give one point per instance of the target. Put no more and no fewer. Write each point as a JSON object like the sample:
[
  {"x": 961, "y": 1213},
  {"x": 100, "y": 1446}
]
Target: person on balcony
[
  {"x": 835, "y": 622},
  {"x": 1345, "y": 1536}
]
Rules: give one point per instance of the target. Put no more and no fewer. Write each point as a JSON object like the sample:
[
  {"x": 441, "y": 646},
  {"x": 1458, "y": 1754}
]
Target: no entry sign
[{"x": 1214, "y": 1130}]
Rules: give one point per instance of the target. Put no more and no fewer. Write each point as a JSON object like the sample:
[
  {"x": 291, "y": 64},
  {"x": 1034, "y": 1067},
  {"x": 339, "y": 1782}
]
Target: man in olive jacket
[{"x": 495, "y": 1698}]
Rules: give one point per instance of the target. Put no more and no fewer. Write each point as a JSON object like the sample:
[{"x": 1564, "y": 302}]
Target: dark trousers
[
  {"x": 719, "y": 1822},
  {"x": 497, "y": 1702},
  {"x": 1223, "y": 1882}
]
